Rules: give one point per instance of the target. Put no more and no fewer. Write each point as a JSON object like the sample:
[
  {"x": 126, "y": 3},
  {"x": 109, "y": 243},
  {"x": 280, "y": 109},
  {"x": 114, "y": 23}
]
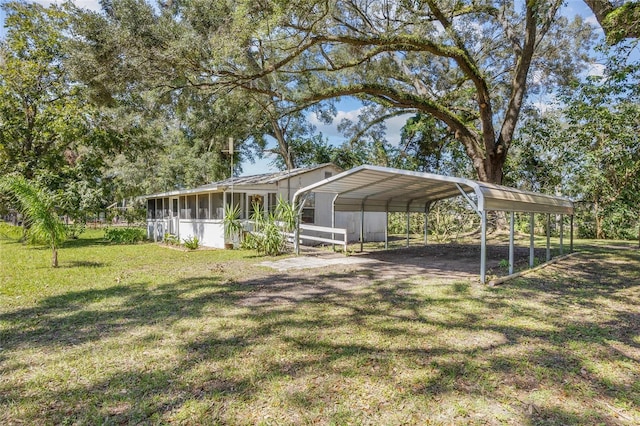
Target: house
[{"x": 199, "y": 211}]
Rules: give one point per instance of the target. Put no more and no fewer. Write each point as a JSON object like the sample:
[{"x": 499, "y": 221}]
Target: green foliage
[
  {"x": 74, "y": 230},
  {"x": 396, "y": 61},
  {"x": 124, "y": 235},
  {"x": 38, "y": 207},
  {"x": 10, "y": 232},
  {"x": 232, "y": 224},
  {"x": 171, "y": 239},
  {"x": 268, "y": 236},
  {"x": 192, "y": 242}
]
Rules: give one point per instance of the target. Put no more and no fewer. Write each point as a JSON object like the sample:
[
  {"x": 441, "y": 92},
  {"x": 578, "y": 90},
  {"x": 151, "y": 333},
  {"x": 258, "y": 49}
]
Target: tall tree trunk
[
  {"x": 598, "y": 220},
  {"x": 54, "y": 258}
]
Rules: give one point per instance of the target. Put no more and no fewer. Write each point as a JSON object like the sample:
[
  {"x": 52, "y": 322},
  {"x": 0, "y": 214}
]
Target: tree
[
  {"x": 467, "y": 64},
  {"x": 49, "y": 131},
  {"x": 38, "y": 208},
  {"x": 603, "y": 116},
  {"x": 619, "y": 20},
  {"x": 588, "y": 147}
]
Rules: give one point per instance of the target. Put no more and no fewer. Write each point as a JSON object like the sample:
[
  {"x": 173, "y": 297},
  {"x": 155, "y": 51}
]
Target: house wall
[
  {"x": 210, "y": 233},
  {"x": 374, "y": 225},
  {"x": 156, "y": 228}
]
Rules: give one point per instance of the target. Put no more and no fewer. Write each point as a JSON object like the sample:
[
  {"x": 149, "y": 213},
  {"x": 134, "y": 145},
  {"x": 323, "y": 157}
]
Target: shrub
[
  {"x": 74, "y": 230},
  {"x": 171, "y": 239},
  {"x": 124, "y": 235},
  {"x": 192, "y": 243}
]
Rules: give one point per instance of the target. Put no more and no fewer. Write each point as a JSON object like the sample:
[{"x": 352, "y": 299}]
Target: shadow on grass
[{"x": 323, "y": 336}]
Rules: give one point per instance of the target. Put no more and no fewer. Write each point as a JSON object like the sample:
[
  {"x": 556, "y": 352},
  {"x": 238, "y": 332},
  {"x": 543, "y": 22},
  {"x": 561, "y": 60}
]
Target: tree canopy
[{"x": 467, "y": 64}]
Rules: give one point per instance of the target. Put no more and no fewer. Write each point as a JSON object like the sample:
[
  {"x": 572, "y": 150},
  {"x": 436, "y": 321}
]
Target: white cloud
[
  {"x": 592, "y": 20},
  {"x": 331, "y": 130},
  {"x": 394, "y": 126},
  {"x": 595, "y": 70}
]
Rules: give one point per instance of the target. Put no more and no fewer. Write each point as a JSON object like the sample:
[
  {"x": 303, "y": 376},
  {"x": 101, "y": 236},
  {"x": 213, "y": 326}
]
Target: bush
[
  {"x": 192, "y": 243},
  {"x": 11, "y": 232},
  {"x": 74, "y": 230},
  {"x": 124, "y": 235},
  {"x": 171, "y": 239}
]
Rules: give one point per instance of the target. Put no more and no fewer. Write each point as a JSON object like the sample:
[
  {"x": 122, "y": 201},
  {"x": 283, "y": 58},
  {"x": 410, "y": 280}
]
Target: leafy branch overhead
[{"x": 467, "y": 64}]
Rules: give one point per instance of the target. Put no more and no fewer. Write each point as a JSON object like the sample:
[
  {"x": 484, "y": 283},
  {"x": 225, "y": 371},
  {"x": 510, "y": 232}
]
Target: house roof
[
  {"x": 379, "y": 189},
  {"x": 252, "y": 180}
]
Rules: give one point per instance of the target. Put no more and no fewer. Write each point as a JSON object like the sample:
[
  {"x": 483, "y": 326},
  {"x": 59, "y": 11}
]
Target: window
[
  {"x": 327, "y": 175},
  {"x": 165, "y": 208},
  {"x": 309, "y": 209},
  {"x": 272, "y": 201},
  {"x": 217, "y": 209},
  {"x": 159, "y": 208},
  {"x": 175, "y": 207},
  {"x": 203, "y": 206},
  {"x": 238, "y": 200},
  {"x": 151, "y": 209},
  {"x": 256, "y": 201},
  {"x": 183, "y": 208},
  {"x": 191, "y": 206}
]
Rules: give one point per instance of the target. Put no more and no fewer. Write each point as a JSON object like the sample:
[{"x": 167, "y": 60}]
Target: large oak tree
[{"x": 468, "y": 64}]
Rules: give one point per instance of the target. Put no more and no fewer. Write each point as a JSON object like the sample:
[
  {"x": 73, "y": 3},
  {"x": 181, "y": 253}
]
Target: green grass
[{"x": 143, "y": 334}]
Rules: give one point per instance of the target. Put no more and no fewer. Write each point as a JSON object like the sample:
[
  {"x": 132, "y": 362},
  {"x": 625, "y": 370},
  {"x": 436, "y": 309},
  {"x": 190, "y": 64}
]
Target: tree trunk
[
  {"x": 54, "y": 258},
  {"x": 598, "y": 220}
]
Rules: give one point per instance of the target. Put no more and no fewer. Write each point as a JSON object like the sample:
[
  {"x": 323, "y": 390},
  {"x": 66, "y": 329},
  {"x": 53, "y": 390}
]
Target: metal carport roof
[{"x": 380, "y": 189}]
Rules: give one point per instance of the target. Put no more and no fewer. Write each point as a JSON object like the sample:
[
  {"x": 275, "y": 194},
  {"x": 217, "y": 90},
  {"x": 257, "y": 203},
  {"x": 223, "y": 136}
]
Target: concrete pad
[{"x": 311, "y": 262}]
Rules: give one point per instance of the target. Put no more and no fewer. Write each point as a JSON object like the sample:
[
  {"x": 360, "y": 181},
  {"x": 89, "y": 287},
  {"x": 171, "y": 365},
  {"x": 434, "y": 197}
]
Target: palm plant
[{"x": 37, "y": 207}]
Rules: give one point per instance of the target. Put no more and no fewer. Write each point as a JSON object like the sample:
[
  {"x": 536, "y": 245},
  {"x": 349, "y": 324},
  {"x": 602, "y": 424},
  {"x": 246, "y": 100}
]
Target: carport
[{"x": 382, "y": 189}]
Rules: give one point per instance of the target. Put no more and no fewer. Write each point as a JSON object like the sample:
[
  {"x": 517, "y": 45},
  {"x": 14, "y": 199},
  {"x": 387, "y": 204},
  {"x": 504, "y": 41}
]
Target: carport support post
[
  {"x": 362, "y": 228},
  {"x": 483, "y": 247},
  {"x": 571, "y": 234},
  {"x": 408, "y": 224},
  {"x": 548, "y": 237},
  {"x": 426, "y": 222},
  {"x": 531, "y": 248},
  {"x": 386, "y": 228},
  {"x": 511, "y": 229},
  {"x": 561, "y": 234}
]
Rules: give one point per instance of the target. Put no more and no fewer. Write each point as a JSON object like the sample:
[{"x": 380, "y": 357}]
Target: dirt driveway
[{"x": 321, "y": 272}]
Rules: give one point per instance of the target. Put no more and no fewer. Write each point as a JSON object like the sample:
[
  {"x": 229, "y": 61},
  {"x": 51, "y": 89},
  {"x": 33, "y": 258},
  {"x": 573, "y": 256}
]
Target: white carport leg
[
  {"x": 571, "y": 234},
  {"x": 561, "y": 234},
  {"x": 548, "y": 237},
  {"x": 483, "y": 247},
  {"x": 511, "y": 243},
  {"x": 426, "y": 222},
  {"x": 531, "y": 247}
]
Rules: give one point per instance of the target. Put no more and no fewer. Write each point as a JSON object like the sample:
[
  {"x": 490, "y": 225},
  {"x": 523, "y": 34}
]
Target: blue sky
[{"x": 347, "y": 107}]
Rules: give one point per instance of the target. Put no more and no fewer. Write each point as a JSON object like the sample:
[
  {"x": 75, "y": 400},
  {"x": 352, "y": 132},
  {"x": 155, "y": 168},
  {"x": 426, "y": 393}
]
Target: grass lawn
[{"x": 143, "y": 334}]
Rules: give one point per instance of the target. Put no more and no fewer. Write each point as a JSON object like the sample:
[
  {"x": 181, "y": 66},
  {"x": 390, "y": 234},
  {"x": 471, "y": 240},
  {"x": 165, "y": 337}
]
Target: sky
[{"x": 349, "y": 107}]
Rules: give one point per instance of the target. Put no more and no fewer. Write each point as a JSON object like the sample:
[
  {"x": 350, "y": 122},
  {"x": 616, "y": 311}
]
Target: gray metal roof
[
  {"x": 380, "y": 189},
  {"x": 252, "y": 180}
]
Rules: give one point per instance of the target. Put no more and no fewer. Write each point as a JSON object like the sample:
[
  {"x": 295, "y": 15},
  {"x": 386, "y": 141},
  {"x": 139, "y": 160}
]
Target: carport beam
[
  {"x": 531, "y": 247},
  {"x": 483, "y": 247},
  {"x": 511, "y": 248}
]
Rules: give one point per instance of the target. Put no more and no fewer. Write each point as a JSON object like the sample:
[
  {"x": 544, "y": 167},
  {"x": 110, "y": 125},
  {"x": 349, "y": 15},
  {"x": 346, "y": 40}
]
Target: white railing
[{"x": 321, "y": 229}]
